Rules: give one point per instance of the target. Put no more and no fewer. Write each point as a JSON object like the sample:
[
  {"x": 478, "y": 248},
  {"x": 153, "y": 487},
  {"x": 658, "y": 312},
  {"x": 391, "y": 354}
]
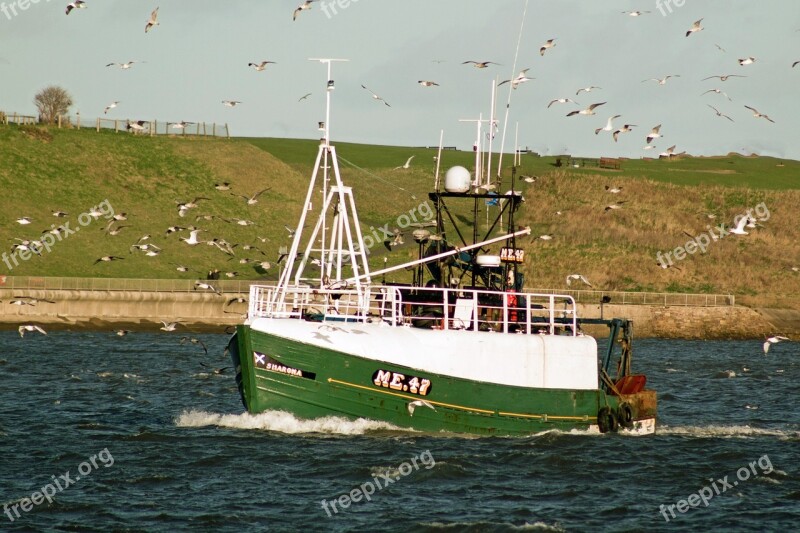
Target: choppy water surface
[{"x": 163, "y": 445}]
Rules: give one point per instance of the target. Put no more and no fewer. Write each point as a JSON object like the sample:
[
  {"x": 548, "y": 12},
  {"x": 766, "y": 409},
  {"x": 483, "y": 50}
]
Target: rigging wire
[
  {"x": 510, "y": 88},
  {"x": 367, "y": 172}
]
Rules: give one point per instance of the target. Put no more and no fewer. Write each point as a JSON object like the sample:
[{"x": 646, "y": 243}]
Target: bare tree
[{"x": 52, "y": 101}]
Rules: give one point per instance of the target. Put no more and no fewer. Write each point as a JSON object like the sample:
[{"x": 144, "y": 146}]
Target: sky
[{"x": 198, "y": 55}]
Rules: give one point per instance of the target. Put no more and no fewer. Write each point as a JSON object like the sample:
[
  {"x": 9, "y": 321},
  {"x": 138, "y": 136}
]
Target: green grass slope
[{"x": 44, "y": 170}]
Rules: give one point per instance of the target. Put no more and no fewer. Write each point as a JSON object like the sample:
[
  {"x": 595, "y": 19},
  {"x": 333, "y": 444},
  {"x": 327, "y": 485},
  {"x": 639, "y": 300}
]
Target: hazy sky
[{"x": 199, "y": 53}]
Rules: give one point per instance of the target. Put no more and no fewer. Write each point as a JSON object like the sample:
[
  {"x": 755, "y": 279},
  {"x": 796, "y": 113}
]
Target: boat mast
[{"x": 340, "y": 243}]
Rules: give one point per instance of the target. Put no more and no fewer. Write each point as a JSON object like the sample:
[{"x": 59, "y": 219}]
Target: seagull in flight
[
  {"x": 588, "y": 111},
  {"x": 795, "y": 64},
  {"x": 759, "y": 115},
  {"x": 739, "y": 229},
  {"x": 624, "y": 129},
  {"x": 480, "y": 64},
  {"x": 260, "y": 66},
  {"x": 30, "y": 327},
  {"x": 747, "y": 61},
  {"x": 634, "y": 13},
  {"x": 152, "y": 21},
  {"x": 252, "y": 200},
  {"x": 561, "y": 101},
  {"x": 719, "y": 113},
  {"x": 124, "y": 66},
  {"x": 586, "y": 89},
  {"x": 169, "y": 326},
  {"x": 773, "y": 340},
  {"x": 695, "y": 28},
  {"x": 306, "y": 5},
  {"x": 303, "y": 97},
  {"x": 718, "y": 91},
  {"x": 426, "y": 83},
  {"x": 577, "y": 277},
  {"x": 521, "y": 78},
  {"x": 609, "y": 125},
  {"x": 663, "y": 81},
  {"x": 406, "y": 165},
  {"x": 231, "y": 103},
  {"x": 654, "y": 134},
  {"x": 180, "y": 125},
  {"x": 108, "y": 259},
  {"x": 724, "y": 77},
  {"x": 612, "y": 207},
  {"x": 376, "y": 97},
  {"x": 550, "y": 43},
  {"x": 112, "y": 105},
  {"x": 77, "y": 4},
  {"x": 191, "y": 240}
]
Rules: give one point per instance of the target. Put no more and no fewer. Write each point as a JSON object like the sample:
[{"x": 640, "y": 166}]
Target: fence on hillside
[
  {"x": 666, "y": 299},
  {"x": 139, "y": 127}
]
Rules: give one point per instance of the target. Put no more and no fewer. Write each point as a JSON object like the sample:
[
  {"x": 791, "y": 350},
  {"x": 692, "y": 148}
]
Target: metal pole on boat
[
  {"x": 438, "y": 161},
  {"x": 492, "y": 123}
]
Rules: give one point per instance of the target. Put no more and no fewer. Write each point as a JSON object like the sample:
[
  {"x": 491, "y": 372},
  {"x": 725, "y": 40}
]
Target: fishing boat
[{"x": 463, "y": 348}]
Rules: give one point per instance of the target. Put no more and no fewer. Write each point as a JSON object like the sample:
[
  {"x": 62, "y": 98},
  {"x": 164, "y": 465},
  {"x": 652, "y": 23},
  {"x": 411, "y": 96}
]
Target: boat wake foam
[
  {"x": 282, "y": 422},
  {"x": 726, "y": 432}
]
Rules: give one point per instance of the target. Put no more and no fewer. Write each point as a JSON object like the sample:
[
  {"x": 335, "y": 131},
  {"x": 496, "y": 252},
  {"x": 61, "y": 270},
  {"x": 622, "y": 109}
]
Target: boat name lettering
[
  {"x": 512, "y": 255},
  {"x": 266, "y": 362},
  {"x": 401, "y": 382}
]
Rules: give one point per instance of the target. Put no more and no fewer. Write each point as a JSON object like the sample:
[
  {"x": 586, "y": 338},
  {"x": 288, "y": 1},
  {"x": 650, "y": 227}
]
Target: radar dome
[{"x": 457, "y": 179}]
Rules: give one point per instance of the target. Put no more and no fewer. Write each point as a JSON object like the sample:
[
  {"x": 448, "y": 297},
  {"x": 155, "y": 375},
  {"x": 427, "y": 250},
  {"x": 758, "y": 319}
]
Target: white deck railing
[{"x": 432, "y": 308}]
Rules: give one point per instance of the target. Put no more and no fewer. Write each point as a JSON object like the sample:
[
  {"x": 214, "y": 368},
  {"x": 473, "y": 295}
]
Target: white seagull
[
  {"x": 747, "y": 61},
  {"x": 376, "y": 97},
  {"x": 577, "y": 277},
  {"x": 609, "y": 125},
  {"x": 588, "y": 111},
  {"x": 152, "y": 21},
  {"x": 549, "y": 44},
  {"x": 480, "y": 64},
  {"x": 302, "y": 7},
  {"x": 663, "y": 81},
  {"x": 231, "y": 103},
  {"x": 759, "y": 115},
  {"x": 406, "y": 165},
  {"x": 719, "y": 113},
  {"x": 634, "y": 13},
  {"x": 252, "y": 200},
  {"x": 654, "y": 134},
  {"x": 724, "y": 77},
  {"x": 77, "y": 4},
  {"x": 124, "y": 66},
  {"x": 521, "y": 78},
  {"x": 260, "y": 66},
  {"x": 773, "y": 340},
  {"x": 561, "y": 101},
  {"x": 192, "y": 239},
  {"x": 30, "y": 327},
  {"x": 586, "y": 89},
  {"x": 739, "y": 229},
  {"x": 112, "y": 105},
  {"x": 624, "y": 129},
  {"x": 718, "y": 91},
  {"x": 695, "y": 28},
  {"x": 427, "y": 83}
]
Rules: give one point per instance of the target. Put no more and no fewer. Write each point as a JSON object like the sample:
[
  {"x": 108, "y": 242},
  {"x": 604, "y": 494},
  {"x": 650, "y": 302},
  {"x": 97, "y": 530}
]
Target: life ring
[
  {"x": 607, "y": 420},
  {"x": 2, "y": 280},
  {"x": 625, "y": 415}
]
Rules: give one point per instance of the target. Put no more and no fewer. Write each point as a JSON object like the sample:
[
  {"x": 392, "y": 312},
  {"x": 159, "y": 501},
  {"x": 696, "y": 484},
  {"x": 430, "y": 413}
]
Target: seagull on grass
[
  {"x": 773, "y": 340},
  {"x": 224, "y": 186},
  {"x": 756, "y": 114},
  {"x": 30, "y": 327},
  {"x": 376, "y": 97},
  {"x": 183, "y": 207},
  {"x": 739, "y": 229},
  {"x": 260, "y": 66},
  {"x": 612, "y": 207},
  {"x": 588, "y": 111},
  {"x": 613, "y": 190},
  {"x": 152, "y": 21},
  {"x": 695, "y": 28},
  {"x": 719, "y": 113},
  {"x": 577, "y": 277},
  {"x": 108, "y": 259}
]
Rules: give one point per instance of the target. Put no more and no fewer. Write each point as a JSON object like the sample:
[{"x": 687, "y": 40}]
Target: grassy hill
[{"x": 45, "y": 170}]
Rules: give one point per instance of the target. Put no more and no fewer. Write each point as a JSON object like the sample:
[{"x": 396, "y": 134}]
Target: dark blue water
[{"x": 173, "y": 451}]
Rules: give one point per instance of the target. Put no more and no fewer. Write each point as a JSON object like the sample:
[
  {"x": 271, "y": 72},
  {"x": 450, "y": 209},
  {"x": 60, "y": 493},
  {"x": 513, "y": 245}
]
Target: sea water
[{"x": 100, "y": 433}]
